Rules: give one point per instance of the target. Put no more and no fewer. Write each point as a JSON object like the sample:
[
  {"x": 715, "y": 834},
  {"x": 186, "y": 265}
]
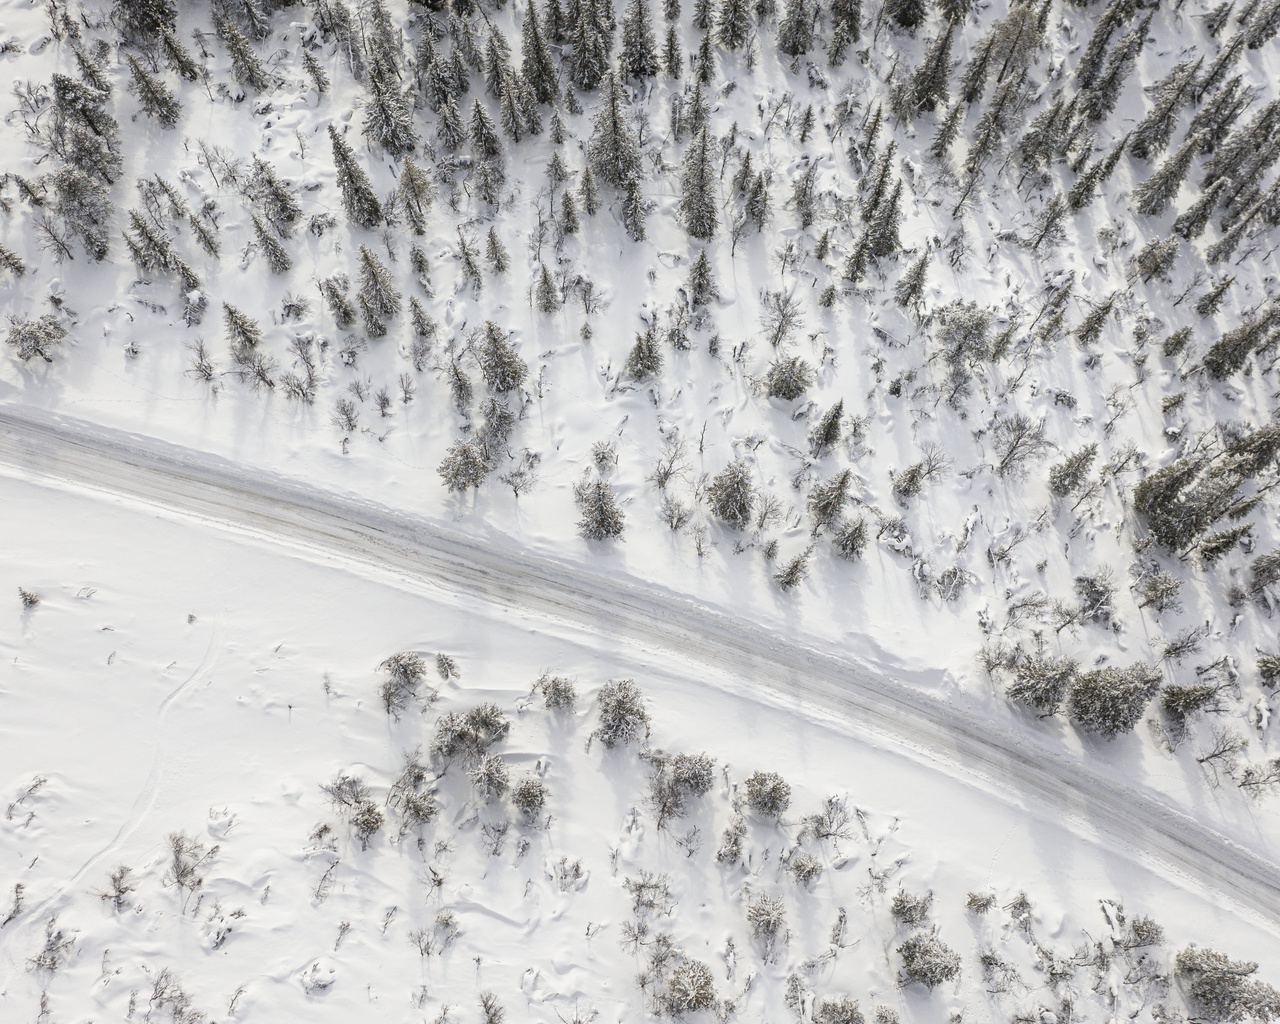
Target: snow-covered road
[{"x": 1040, "y": 778}]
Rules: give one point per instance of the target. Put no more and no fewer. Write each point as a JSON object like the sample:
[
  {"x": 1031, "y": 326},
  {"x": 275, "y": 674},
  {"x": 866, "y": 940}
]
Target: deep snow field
[{"x": 214, "y": 540}]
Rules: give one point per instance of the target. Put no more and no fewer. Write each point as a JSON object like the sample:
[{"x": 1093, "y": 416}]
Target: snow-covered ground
[
  {"x": 222, "y": 563},
  {"x": 182, "y": 676}
]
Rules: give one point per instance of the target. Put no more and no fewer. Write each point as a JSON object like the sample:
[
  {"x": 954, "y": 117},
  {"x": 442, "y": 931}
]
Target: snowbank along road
[{"x": 1042, "y": 779}]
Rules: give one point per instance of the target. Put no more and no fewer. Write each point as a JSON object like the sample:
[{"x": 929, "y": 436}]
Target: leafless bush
[
  {"x": 405, "y": 673},
  {"x": 187, "y": 859},
  {"x": 120, "y": 886},
  {"x": 57, "y": 945}
]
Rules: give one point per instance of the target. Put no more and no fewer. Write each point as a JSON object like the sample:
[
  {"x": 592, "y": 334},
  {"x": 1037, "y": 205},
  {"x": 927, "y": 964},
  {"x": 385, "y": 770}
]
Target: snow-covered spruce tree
[
  {"x": 414, "y": 193},
  {"x": 600, "y": 518},
  {"x": 358, "y": 198},
  {"x": 732, "y": 496},
  {"x": 906, "y": 14},
  {"x": 1211, "y": 301},
  {"x": 1089, "y": 330},
  {"x": 12, "y": 262},
  {"x": 81, "y": 131},
  {"x": 698, "y": 207},
  {"x": 1154, "y": 195},
  {"x": 38, "y": 337},
  {"x": 804, "y": 194},
  {"x": 315, "y": 71},
  {"x": 1156, "y": 258},
  {"x": 1111, "y": 700},
  {"x": 927, "y": 960},
  {"x": 768, "y": 794},
  {"x": 614, "y": 151},
  {"x": 155, "y": 97},
  {"x": 246, "y": 67},
  {"x": 388, "y": 122},
  {"x": 465, "y": 465},
  {"x": 794, "y": 571},
  {"x": 639, "y": 56},
  {"x": 243, "y": 332},
  {"x": 592, "y": 43},
  {"x": 644, "y": 362},
  {"x": 796, "y": 30},
  {"x": 909, "y": 291},
  {"x": 701, "y": 288},
  {"x": 1090, "y": 64},
  {"x": 1153, "y": 132},
  {"x": 622, "y": 714},
  {"x": 928, "y": 85},
  {"x": 1195, "y": 218},
  {"x": 273, "y": 197},
  {"x": 143, "y": 21},
  {"x": 827, "y": 500},
  {"x": 635, "y": 210},
  {"x": 537, "y": 65},
  {"x": 334, "y": 291},
  {"x": 850, "y": 539},
  {"x": 1221, "y": 989},
  {"x": 483, "y": 134},
  {"x": 733, "y": 24},
  {"x": 378, "y": 292},
  {"x": 827, "y": 432},
  {"x": 1070, "y": 475},
  {"x": 278, "y": 258},
  {"x": 500, "y": 363},
  {"x": 1102, "y": 97},
  {"x": 672, "y": 54},
  {"x": 1043, "y": 681},
  {"x": 788, "y": 378},
  {"x": 496, "y": 253}
]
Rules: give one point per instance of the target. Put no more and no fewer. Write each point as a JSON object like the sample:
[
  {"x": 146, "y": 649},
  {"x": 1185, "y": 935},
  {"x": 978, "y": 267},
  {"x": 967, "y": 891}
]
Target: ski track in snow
[{"x": 1039, "y": 779}]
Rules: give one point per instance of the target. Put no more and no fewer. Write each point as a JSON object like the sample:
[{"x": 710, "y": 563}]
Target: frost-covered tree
[
  {"x": 796, "y": 30},
  {"x": 156, "y": 98},
  {"x": 1043, "y": 681},
  {"x": 500, "y": 363},
  {"x": 644, "y": 361},
  {"x": 537, "y": 64},
  {"x": 733, "y": 24},
  {"x": 465, "y": 465},
  {"x": 639, "y": 55},
  {"x": 614, "y": 151},
  {"x": 1153, "y": 132},
  {"x": 246, "y": 67},
  {"x": 600, "y": 517},
  {"x": 622, "y": 713},
  {"x": 788, "y": 378},
  {"x": 1154, "y": 195},
  {"x": 767, "y": 794},
  {"x": 927, "y": 960},
  {"x": 358, "y": 198},
  {"x": 1224, "y": 990},
  {"x": 732, "y": 495},
  {"x": 35, "y": 338},
  {"x": 1111, "y": 700},
  {"x": 143, "y": 21}
]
